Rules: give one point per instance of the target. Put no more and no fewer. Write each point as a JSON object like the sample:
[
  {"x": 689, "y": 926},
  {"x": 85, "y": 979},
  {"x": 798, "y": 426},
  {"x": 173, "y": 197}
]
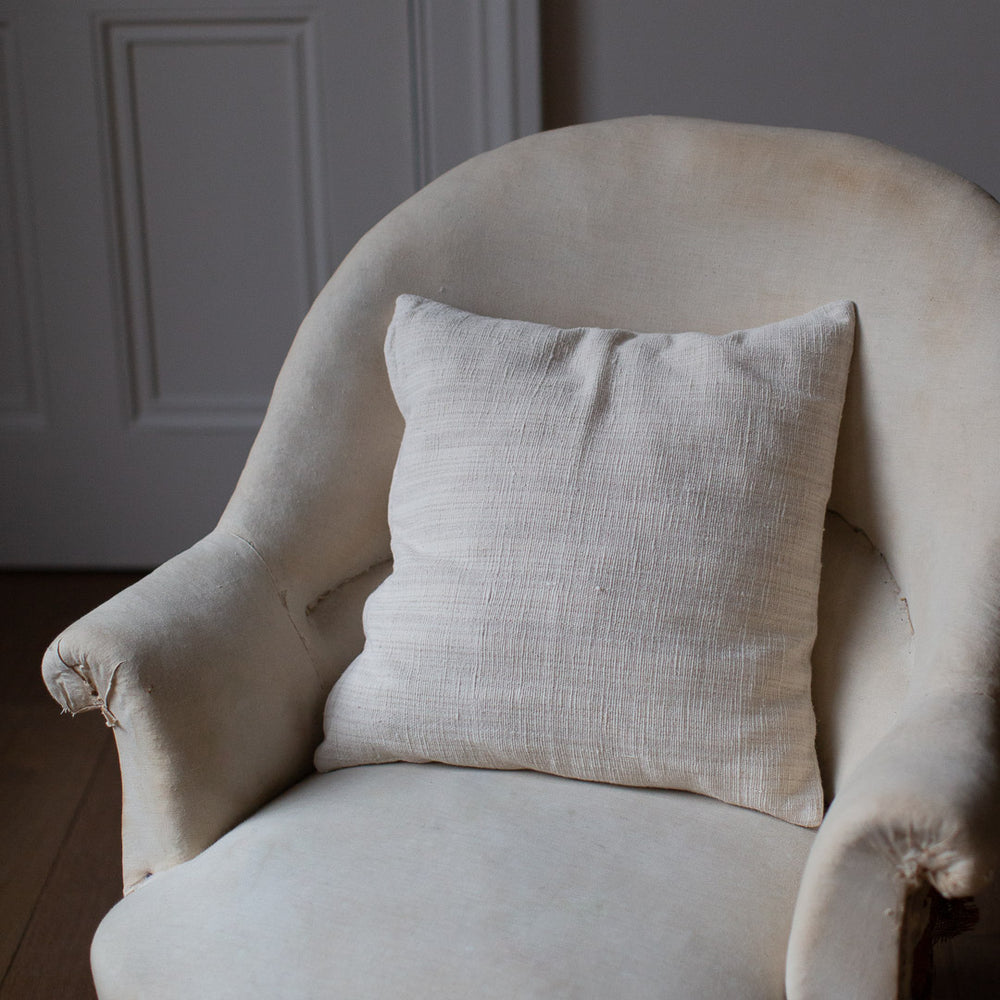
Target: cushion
[
  {"x": 606, "y": 555},
  {"x": 429, "y": 881}
]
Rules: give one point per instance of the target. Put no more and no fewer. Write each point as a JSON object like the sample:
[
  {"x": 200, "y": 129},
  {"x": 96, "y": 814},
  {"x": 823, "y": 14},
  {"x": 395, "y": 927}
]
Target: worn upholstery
[
  {"x": 439, "y": 881},
  {"x": 214, "y": 669}
]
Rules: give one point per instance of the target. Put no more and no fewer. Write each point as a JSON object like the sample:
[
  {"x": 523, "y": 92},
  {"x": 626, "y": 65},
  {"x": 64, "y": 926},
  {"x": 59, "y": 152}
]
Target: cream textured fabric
[
  {"x": 606, "y": 555},
  {"x": 428, "y": 882}
]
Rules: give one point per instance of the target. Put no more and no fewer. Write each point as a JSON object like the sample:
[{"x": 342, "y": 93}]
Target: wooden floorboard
[
  {"x": 48, "y": 762},
  {"x": 53, "y": 959},
  {"x": 60, "y": 797}
]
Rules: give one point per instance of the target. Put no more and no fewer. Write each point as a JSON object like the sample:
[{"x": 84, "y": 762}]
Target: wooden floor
[
  {"x": 60, "y": 814},
  {"x": 60, "y": 798}
]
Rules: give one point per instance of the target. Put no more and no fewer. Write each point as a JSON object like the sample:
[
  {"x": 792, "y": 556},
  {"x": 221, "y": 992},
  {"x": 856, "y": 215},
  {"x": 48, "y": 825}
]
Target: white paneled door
[{"x": 176, "y": 184}]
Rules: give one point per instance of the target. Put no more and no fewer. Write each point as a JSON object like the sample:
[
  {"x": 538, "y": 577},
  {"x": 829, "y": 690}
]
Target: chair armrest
[
  {"x": 213, "y": 698},
  {"x": 922, "y": 809}
]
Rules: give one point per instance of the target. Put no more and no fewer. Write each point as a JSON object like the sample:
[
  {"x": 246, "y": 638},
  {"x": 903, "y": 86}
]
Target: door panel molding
[
  {"x": 21, "y": 400},
  {"x": 177, "y": 184},
  {"x": 152, "y": 269},
  {"x": 511, "y": 72},
  {"x": 492, "y": 90}
]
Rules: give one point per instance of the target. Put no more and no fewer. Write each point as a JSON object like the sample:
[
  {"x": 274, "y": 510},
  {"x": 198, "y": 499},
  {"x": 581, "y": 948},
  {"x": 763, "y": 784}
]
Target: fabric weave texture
[{"x": 606, "y": 555}]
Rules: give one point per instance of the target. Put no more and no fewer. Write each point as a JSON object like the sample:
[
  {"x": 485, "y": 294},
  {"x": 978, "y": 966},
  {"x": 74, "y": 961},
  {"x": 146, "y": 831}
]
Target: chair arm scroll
[
  {"x": 921, "y": 810},
  {"x": 211, "y": 693}
]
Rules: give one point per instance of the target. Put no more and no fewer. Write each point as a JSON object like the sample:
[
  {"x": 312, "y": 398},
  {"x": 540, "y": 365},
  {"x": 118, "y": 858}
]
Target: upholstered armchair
[{"x": 247, "y": 874}]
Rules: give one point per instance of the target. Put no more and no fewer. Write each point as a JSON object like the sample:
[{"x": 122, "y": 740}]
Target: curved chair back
[{"x": 666, "y": 224}]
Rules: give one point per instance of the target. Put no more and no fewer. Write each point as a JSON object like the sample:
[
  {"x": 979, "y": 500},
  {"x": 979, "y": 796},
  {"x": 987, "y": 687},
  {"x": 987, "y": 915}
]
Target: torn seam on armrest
[
  {"x": 857, "y": 529},
  {"x": 283, "y": 600},
  {"x": 330, "y": 591},
  {"x": 98, "y": 701}
]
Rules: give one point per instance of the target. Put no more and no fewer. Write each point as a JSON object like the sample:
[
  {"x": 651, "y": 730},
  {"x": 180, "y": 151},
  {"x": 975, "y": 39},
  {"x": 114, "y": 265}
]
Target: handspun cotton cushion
[{"x": 606, "y": 555}]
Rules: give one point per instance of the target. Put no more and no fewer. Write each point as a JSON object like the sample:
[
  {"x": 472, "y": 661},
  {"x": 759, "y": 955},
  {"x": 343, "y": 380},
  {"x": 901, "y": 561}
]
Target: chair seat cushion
[{"x": 427, "y": 880}]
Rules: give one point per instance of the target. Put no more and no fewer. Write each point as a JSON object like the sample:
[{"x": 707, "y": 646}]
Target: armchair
[{"x": 247, "y": 876}]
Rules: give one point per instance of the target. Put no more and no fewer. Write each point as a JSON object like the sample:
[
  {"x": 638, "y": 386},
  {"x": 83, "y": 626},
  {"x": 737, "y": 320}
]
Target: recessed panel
[
  {"x": 18, "y": 397},
  {"x": 214, "y": 138}
]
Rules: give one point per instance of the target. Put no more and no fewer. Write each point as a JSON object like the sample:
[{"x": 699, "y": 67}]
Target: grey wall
[{"x": 922, "y": 75}]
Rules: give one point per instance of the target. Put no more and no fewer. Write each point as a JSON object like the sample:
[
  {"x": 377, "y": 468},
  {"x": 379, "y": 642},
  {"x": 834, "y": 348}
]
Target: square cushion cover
[{"x": 606, "y": 555}]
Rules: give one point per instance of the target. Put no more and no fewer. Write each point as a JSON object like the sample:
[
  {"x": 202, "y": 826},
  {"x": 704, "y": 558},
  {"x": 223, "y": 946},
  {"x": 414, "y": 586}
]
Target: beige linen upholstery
[
  {"x": 606, "y": 555},
  {"x": 209, "y": 668},
  {"x": 206, "y": 629},
  {"x": 461, "y": 883}
]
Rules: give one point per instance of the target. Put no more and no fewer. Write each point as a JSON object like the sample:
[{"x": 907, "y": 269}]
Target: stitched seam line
[
  {"x": 283, "y": 601},
  {"x": 881, "y": 555},
  {"x": 311, "y": 608}
]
